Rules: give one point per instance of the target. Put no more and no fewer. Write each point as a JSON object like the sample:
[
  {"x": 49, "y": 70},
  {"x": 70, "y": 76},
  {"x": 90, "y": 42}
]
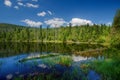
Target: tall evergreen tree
[
  {"x": 116, "y": 21},
  {"x": 115, "y": 33}
]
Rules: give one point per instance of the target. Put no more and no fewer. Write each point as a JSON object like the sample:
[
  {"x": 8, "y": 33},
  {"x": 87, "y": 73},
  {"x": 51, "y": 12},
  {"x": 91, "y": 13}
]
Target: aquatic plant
[
  {"x": 38, "y": 57},
  {"x": 85, "y": 67},
  {"x": 62, "y": 60},
  {"x": 65, "y": 60}
]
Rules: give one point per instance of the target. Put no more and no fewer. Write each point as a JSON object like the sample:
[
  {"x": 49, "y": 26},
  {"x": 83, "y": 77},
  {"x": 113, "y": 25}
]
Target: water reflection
[
  {"x": 10, "y": 49},
  {"x": 11, "y": 67},
  {"x": 33, "y": 55},
  {"x": 80, "y": 58}
]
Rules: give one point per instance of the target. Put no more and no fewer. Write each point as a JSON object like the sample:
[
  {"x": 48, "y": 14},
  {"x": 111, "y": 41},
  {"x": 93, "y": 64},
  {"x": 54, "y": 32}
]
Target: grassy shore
[{"x": 109, "y": 69}]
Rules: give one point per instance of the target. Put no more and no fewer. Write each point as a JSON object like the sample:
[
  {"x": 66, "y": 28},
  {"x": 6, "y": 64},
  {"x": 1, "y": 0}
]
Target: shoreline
[{"x": 67, "y": 42}]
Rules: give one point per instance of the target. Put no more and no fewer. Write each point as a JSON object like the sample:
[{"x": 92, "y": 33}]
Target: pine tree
[{"x": 116, "y": 21}]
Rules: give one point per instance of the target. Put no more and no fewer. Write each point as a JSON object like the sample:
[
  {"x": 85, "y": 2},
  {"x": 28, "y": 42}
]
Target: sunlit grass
[{"x": 62, "y": 60}]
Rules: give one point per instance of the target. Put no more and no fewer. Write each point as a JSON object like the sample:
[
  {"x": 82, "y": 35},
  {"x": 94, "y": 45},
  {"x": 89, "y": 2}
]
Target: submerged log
[{"x": 92, "y": 52}]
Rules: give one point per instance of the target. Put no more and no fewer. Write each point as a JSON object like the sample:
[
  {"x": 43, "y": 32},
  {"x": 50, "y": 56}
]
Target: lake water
[{"x": 21, "y": 60}]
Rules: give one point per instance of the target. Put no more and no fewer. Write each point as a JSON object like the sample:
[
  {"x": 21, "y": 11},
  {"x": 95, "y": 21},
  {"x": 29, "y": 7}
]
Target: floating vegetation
[
  {"x": 91, "y": 52},
  {"x": 38, "y": 57},
  {"x": 62, "y": 60}
]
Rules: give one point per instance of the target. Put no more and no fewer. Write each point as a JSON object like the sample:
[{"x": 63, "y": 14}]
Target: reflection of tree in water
[{"x": 8, "y": 49}]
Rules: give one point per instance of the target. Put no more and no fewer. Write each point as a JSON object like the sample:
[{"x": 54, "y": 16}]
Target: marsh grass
[
  {"x": 109, "y": 69},
  {"x": 62, "y": 60},
  {"x": 105, "y": 68}
]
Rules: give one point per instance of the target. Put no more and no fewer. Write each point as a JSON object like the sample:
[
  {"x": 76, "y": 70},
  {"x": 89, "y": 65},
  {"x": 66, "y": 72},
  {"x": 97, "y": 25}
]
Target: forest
[{"x": 86, "y": 33}]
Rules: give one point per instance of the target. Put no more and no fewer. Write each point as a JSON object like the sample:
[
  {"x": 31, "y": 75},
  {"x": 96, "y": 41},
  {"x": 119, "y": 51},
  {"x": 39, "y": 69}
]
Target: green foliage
[
  {"x": 62, "y": 60},
  {"x": 116, "y": 22},
  {"x": 115, "y": 41},
  {"x": 109, "y": 69},
  {"x": 101, "y": 39},
  {"x": 115, "y": 32},
  {"x": 85, "y": 33}
]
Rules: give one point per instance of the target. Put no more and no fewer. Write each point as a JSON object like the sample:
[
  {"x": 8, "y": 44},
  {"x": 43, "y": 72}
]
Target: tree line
[{"x": 84, "y": 33}]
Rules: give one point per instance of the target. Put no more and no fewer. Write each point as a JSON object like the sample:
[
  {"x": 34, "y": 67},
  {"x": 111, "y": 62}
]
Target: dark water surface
[{"x": 12, "y": 53}]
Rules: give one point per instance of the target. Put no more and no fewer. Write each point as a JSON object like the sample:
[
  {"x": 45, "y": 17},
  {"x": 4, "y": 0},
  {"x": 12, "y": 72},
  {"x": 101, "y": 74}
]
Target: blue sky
[{"x": 57, "y": 12}]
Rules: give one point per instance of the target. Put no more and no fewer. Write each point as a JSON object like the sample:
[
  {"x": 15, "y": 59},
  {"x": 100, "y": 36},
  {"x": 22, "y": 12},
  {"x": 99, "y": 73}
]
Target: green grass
[
  {"x": 109, "y": 69},
  {"x": 62, "y": 60}
]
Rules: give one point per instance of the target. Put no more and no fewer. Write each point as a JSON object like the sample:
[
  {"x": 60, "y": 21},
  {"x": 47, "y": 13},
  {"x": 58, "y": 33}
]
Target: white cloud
[
  {"x": 41, "y": 14},
  {"x": 19, "y": 0},
  {"x": 55, "y": 22},
  {"x": 78, "y": 22},
  {"x": 32, "y": 23},
  {"x": 109, "y": 23},
  {"x": 32, "y": 5},
  {"x": 8, "y": 3},
  {"x": 20, "y": 4},
  {"x": 16, "y": 7},
  {"x": 50, "y": 12},
  {"x": 35, "y": 0},
  {"x": 28, "y": 5}
]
